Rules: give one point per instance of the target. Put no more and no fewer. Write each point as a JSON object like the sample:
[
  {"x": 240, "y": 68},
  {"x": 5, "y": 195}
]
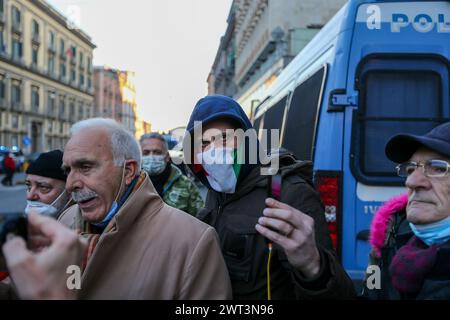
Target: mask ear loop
[
  {"x": 121, "y": 180},
  {"x": 58, "y": 198}
]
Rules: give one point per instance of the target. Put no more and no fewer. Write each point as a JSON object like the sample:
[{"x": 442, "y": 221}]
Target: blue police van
[{"x": 376, "y": 69}]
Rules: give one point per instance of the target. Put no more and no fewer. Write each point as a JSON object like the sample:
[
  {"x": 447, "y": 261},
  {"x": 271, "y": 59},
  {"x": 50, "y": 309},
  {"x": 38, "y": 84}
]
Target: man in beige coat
[{"x": 137, "y": 246}]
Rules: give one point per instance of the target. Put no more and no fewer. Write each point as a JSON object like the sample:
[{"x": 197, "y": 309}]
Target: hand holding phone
[{"x": 12, "y": 223}]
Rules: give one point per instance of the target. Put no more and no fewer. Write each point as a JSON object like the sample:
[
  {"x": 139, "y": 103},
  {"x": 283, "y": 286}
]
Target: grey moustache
[{"x": 81, "y": 196}]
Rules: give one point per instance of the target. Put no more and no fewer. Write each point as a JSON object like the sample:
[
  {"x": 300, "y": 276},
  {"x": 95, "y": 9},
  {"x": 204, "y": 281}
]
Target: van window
[
  {"x": 273, "y": 118},
  {"x": 394, "y": 102},
  {"x": 301, "y": 120},
  {"x": 257, "y": 123}
]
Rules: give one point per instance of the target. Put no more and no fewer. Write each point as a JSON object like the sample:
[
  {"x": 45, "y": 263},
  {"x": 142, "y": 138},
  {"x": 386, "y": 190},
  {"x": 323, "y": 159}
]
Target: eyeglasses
[{"x": 431, "y": 168}]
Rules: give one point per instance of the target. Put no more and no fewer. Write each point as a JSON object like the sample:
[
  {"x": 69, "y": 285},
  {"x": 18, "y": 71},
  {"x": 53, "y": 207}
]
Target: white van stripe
[{"x": 377, "y": 193}]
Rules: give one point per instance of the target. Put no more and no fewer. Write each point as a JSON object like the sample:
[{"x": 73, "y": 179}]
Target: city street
[{"x": 12, "y": 199}]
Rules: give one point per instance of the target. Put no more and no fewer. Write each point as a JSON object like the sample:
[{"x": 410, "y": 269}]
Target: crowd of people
[{"x": 138, "y": 228}]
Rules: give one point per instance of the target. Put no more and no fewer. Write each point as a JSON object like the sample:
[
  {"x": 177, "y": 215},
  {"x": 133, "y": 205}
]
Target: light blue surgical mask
[
  {"x": 433, "y": 233},
  {"x": 114, "y": 206},
  {"x": 154, "y": 164}
]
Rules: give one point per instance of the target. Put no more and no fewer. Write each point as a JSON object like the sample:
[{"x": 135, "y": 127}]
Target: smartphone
[{"x": 15, "y": 223}]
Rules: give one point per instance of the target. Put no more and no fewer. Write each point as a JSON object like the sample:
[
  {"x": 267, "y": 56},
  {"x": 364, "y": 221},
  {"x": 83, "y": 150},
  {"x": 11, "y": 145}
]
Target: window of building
[
  {"x": 62, "y": 107},
  {"x": 15, "y": 121},
  {"x": 51, "y": 103},
  {"x": 35, "y": 99},
  {"x": 62, "y": 69},
  {"x": 2, "y": 87},
  {"x": 72, "y": 110},
  {"x": 2, "y": 40},
  {"x": 35, "y": 28},
  {"x": 88, "y": 111},
  {"x": 14, "y": 140},
  {"x": 80, "y": 111},
  {"x": 16, "y": 16},
  {"x": 16, "y": 92},
  {"x": 73, "y": 53},
  {"x": 81, "y": 60},
  {"x": 62, "y": 47},
  {"x": 51, "y": 41},
  {"x": 81, "y": 79},
  {"x": 34, "y": 55},
  {"x": 73, "y": 74},
  {"x": 17, "y": 48},
  {"x": 51, "y": 64}
]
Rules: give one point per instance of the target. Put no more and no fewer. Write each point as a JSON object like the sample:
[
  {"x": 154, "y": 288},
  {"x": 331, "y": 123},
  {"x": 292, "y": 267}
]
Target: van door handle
[{"x": 363, "y": 235}]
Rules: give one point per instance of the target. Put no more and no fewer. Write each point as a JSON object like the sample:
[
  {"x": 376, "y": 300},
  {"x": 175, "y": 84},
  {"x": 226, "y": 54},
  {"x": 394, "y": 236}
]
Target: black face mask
[{"x": 160, "y": 179}]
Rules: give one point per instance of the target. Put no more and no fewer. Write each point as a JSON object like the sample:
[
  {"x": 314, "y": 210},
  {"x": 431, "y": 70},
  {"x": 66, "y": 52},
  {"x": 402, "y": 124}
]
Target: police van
[{"x": 376, "y": 69}]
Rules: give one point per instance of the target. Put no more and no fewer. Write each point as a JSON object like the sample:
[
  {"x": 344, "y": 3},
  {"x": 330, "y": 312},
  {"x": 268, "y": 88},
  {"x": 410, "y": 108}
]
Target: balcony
[
  {"x": 51, "y": 49},
  {"x": 36, "y": 39}
]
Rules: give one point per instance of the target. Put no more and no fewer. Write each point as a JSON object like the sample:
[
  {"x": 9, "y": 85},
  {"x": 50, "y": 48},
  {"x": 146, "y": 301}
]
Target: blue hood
[{"x": 211, "y": 108}]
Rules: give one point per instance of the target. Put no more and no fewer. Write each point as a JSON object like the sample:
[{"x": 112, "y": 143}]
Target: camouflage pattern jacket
[{"x": 180, "y": 192}]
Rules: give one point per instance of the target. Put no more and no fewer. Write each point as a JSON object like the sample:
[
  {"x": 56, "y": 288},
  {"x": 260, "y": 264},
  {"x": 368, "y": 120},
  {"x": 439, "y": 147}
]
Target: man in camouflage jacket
[{"x": 172, "y": 185}]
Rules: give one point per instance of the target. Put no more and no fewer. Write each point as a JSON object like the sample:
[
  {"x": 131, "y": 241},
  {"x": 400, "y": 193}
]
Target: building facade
[
  {"x": 115, "y": 97},
  {"x": 262, "y": 37},
  {"x": 107, "y": 94},
  {"x": 46, "y": 76}
]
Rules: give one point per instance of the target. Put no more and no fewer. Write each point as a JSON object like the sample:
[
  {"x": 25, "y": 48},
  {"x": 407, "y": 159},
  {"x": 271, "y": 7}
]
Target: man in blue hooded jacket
[{"x": 273, "y": 249}]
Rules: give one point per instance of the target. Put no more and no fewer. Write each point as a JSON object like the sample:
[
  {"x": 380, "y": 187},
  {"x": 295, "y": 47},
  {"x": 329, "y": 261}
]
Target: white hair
[{"x": 123, "y": 144}]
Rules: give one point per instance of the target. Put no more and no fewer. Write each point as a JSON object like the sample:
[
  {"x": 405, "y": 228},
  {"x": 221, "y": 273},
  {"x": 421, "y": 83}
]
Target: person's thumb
[{"x": 15, "y": 251}]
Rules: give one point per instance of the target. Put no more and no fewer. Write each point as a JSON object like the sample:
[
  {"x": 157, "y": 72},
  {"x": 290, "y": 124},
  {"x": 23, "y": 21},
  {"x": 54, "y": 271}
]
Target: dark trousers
[{"x": 8, "y": 179}]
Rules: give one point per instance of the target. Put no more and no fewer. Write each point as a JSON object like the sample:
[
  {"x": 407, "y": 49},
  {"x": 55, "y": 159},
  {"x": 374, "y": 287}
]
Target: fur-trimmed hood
[{"x": 382, "y": 219}]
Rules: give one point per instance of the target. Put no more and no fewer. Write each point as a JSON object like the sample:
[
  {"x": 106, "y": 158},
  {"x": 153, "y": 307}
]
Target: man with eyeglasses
[{"x": 410, "y": 234}]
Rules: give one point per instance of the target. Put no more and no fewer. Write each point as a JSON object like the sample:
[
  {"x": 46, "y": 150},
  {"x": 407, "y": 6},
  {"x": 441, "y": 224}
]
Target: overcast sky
[{"x": 170, "y": 44}]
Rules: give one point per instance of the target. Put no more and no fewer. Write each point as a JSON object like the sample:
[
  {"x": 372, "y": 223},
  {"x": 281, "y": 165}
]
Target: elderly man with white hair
[{"x": 137, "y": 246}]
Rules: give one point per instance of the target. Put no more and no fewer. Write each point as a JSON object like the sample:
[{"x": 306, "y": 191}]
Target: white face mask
[
  {"x": 40, "y": 208},
  {"x": 154, "y": 165},
  {"x": 50, "y": 210},
  {"x": 218, "y": 163}
]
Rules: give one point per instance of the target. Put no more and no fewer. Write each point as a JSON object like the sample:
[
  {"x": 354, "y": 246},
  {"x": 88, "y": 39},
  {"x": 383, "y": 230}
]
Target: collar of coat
[
  {"x": 383, "y": 219},
  {"x": 142, "y": 198}
]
